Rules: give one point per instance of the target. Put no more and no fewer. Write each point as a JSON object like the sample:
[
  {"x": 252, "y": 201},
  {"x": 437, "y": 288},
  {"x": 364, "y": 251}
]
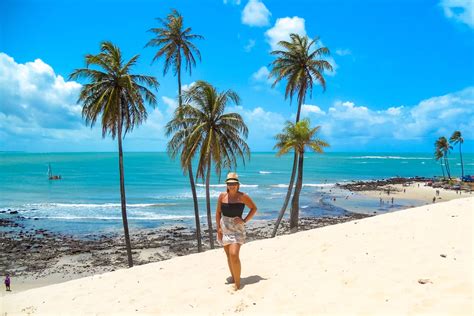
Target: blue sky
[{"x": 403, "y": 69}]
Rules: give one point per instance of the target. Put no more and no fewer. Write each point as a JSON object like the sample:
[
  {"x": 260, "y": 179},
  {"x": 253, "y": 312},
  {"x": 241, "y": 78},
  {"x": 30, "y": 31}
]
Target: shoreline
[
  {"x": 411, "y": 262},
  {"x": 33, "y": 258}
]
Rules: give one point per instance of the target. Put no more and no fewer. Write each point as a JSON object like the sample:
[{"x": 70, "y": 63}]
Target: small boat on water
[{"x": 50, "y": 174}]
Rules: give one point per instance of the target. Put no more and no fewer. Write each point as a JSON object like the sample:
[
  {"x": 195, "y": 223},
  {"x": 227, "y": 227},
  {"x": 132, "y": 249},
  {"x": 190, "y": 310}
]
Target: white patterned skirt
[{"x": 232, "y": 233}]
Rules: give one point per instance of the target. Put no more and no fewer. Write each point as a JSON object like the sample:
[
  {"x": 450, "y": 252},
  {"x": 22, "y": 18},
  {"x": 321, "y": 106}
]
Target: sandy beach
[
  {"x": 415, "y": 261},
  {"x": 417, "y": 191}
]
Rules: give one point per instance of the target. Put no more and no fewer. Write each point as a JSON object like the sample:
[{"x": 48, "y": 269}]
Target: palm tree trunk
[
  {"x": 190, "y": 172},
  {"x": 448, "y": 170},
  {"x": 292, "y": 180},
  {"x": 295, "y": 203},
  {"x": 462, "y": 164},
  {"x": 196, "y": 207},
  {"x": 208, "y": 204},
  {"x": 288, "y": 195},
  {"x": 122, "y": 193}
]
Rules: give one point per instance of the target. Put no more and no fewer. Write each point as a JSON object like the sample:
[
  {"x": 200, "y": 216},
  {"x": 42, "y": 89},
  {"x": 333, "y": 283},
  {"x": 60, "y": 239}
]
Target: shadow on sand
[{"x": 250, "y": 280}]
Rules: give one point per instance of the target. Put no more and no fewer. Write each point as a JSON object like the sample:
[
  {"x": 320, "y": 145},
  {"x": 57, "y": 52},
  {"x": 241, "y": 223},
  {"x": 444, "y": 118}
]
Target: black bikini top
[{"x": 232, "y": 209}]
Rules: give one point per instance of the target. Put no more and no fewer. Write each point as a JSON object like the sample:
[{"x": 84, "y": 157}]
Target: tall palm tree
[
  {"x": 438, "y": 156},
  {"x": 298, "y": 137},
  {"x": 301, "y": 63},
  {"x": 117, "y": 97},
  {"x": 175, "y": 45},
  {"x": 212, "y": 135},
  {"x": 455, "y": 139},
  {"x": 443, "y": 145}
]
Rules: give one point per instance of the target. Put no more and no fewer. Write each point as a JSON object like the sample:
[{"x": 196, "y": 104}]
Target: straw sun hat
[{"x": 232, "y": 177}]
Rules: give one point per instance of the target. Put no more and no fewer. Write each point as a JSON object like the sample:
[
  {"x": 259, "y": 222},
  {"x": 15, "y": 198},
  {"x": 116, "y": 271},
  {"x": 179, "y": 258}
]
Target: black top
[{"x": 232, "y": 209}]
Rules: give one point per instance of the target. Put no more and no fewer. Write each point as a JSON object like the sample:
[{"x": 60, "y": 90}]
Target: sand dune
[{"x": 372, "y": 266}]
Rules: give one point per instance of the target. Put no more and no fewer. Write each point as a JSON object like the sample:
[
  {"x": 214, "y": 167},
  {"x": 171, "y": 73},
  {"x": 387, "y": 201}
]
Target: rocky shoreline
[
  {"x": 379, "y": 185},
  {"x": 38, "y": 253}
]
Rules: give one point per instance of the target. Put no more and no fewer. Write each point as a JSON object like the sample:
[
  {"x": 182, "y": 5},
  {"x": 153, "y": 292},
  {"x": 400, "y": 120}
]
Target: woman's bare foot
[{"x": 236, "y": 287}]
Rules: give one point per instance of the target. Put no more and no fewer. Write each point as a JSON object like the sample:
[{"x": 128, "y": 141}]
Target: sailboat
[{"x": 50, "y": 174}]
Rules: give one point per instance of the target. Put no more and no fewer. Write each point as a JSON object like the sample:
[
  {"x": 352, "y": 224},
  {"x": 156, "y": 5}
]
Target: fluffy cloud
[
  {"x": 283, "y": 28},
  {"x": 440, "y": 116},
  {"x": 38, "y": 111},
  {"x": 33, "y": 93},
  {"x": 255, "y": 13},
  {"x": 460, "y": 10},
  {"x": 307, "y": 109},
  {"x": 262, "y": 76},
  {"x": 281, "y": 32},
  {"x": 355, "y": 126}
]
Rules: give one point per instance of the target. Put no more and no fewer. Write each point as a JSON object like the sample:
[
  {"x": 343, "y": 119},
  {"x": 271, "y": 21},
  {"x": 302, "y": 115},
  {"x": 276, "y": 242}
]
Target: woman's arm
[
  {"x": 218, "y": 214},
  {"x": 251, "y": 205}
]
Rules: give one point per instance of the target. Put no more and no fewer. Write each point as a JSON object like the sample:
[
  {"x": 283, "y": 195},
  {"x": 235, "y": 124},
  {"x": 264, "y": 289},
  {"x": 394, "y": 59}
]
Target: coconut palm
[
  {"x": 455, "y": 139},
  {"x": 175, "y": 46},
  {"x": 212, "y": 136},
  {"x": 117, "y": 97},
  {"x": 443, "y": 145},
  {"x": 438, "y": 156},
  {"x": 300, "y": 62},
  {"x": 298, "y": 137}
]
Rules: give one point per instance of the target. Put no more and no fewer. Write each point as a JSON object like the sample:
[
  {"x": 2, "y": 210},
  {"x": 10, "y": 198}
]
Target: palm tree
[
  {"x": 175, "y": 45},
  {"x": 117, "y": 97},
  {"x": 297, "y": 137},
  {"x": 443, "y": 145},
  {"x": 455, "y": 139},
  {"x": 438, "y": 156},
  {"x": 216, "y": 135},
  {"x": 300, "y": 63}
]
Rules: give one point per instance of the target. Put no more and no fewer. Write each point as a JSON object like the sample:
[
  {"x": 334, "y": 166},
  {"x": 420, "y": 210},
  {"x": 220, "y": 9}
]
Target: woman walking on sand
[{"x": 231, "y": 225}]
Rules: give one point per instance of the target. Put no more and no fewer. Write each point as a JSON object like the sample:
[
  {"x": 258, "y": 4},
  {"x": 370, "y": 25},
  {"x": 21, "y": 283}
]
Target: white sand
[
  {"x": 365, "y": 267},
  {"x": 417, "y": 191}
]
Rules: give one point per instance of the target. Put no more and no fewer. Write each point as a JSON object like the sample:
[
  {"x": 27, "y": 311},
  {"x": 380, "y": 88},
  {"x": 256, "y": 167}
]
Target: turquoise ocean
[{"x": 87, "y": 200}]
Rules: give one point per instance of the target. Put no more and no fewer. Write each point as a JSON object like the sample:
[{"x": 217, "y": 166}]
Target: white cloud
[
  {"x": 343, "y": 52},
  {"x": 395, "y": 110},
  {"x": 38, "y": 112},
  {"x": 353, "y": 126},
  {"x": 255, "y": 13},
  {"x": 250, "y": 44},
  {"x": 283, "y": 28},
  {"x": 460, "y": 10},
  {"x": 307, "y": 109},
  {"x": 261, "y": 75},
  {"x": 33, "y": 93}
]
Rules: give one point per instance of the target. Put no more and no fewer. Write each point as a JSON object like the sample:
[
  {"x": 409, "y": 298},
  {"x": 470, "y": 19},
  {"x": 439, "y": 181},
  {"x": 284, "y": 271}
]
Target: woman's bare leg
[
  {"x": 234, "y": 250},
  {"x": 226, "y": 249}
]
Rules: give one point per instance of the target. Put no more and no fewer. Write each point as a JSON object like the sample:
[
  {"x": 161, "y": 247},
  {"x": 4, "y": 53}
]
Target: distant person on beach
[
  {"x": 231, "y": 225},
  {"x": 434, "y": 199},
  {"x": 7, "y": 282}
]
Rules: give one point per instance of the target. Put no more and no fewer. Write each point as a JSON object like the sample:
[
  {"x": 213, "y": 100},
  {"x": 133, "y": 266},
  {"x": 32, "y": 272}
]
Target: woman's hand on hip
[{"x": 238, "y": 220}]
